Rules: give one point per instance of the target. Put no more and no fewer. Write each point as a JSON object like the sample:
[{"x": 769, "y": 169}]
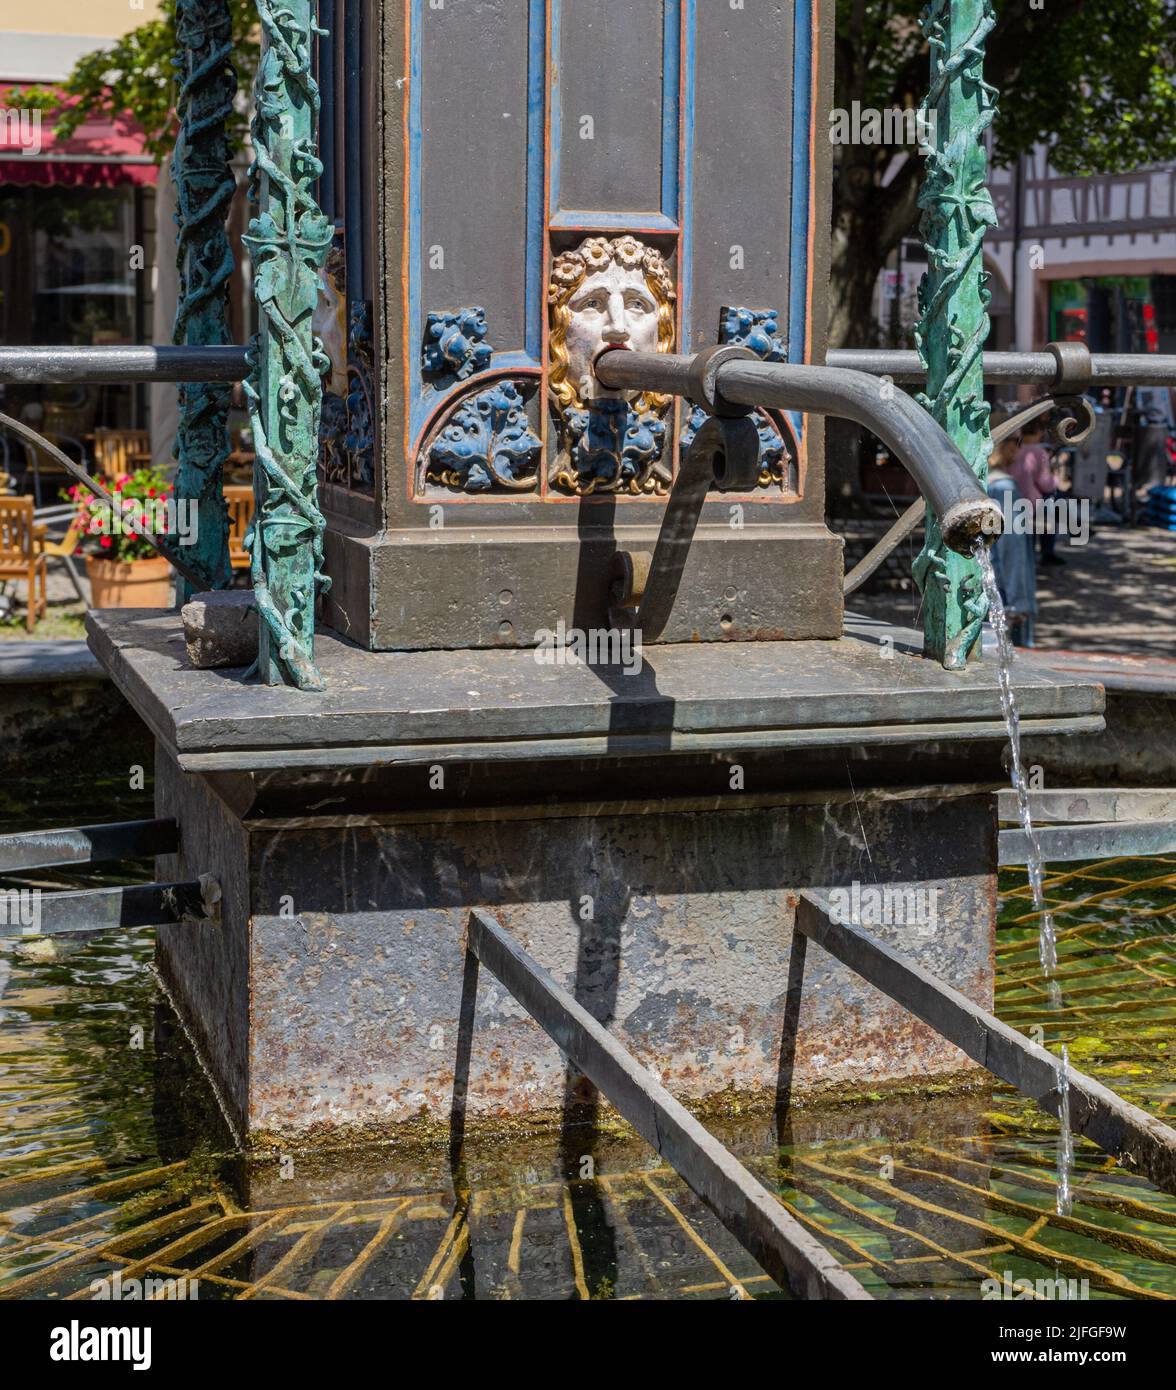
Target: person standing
[
  {"x": 1033, "y": 472},
  {"x": 1014, "y": 559}
]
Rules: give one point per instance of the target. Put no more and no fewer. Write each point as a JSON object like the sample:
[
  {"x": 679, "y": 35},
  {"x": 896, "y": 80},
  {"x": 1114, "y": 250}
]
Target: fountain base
[{"x": 643, "y": 837}]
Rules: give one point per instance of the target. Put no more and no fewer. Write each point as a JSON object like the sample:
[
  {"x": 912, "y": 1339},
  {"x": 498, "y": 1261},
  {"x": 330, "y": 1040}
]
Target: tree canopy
[
  {"x": 1092, "y": 80},
  {"x": 137, "y": 74}
]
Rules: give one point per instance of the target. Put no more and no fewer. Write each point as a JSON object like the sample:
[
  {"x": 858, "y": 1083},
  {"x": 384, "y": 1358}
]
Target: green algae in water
[{"x": 113, "y": 1151}]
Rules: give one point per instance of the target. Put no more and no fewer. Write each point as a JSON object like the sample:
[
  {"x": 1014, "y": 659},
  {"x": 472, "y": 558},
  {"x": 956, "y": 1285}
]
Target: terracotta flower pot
[{"x": 129, "y": 583}]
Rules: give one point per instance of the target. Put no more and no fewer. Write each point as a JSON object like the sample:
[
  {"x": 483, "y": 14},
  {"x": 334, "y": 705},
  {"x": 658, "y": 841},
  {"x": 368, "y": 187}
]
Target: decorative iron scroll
[
  {"x": 204, "y": 192},
  {"x": 347, "y": 431},
  {"x": 360, "y": 439},
  {"x": 289, "y": 240},
  {"x": 954, "y": 299}
]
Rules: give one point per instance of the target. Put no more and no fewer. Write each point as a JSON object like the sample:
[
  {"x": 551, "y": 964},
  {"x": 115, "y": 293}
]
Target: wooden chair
[
  {"x": 239, "y": 501},
  {"x": 64, "y": 548},
  {"x": 21, "y": 555},
  {"x": 120, "y": 451},
  {"x": 239, "y": 464}
]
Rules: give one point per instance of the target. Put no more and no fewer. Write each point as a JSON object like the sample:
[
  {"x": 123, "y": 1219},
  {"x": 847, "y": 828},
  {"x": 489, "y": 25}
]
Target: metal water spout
[{"x": 730, "y": 381}]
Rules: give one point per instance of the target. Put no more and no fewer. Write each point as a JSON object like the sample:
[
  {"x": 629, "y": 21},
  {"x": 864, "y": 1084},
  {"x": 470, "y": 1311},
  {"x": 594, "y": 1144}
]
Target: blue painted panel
[
  {"x": 477, "y": 120},
  {"x": 802, "y": 122},
  {"x": 615, "y": 116}
]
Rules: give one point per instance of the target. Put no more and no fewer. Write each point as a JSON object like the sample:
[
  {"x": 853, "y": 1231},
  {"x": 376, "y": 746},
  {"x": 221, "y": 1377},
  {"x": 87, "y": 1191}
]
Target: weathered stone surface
[
  {"x": 220, "y": 629},
  {"x": 504, "y": 705},
  {"x": 331, "y": 995}
]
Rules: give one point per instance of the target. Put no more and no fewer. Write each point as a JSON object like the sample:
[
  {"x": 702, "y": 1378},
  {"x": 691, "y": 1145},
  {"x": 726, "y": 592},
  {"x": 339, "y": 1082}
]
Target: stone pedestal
[{"x": 643, "y": 837}]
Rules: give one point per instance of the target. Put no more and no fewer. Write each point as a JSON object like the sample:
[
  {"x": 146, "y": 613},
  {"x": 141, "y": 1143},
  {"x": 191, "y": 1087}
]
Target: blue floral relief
[
  {"x": 611, "y": 447},
  {"x": 360, "y": 439},
  {"x": 757, "y": 329},
  {"x": 455, "y": 344},
  {"x": 488, "y": 442},
  {"x": 772, "y": 451}
]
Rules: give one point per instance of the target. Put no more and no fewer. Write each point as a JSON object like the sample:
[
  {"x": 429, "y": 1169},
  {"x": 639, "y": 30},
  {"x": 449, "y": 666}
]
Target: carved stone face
[{"x": 612, "y": 307}]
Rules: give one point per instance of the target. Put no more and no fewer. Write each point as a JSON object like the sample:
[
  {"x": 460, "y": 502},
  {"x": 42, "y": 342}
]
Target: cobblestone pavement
[{"x": 1115, "y": 594}]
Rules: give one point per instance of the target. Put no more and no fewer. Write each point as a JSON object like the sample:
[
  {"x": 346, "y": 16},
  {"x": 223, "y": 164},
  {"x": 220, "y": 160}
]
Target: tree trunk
[
  {"x": 869, "y": 222},
  {"x": 857, "y": 261}
]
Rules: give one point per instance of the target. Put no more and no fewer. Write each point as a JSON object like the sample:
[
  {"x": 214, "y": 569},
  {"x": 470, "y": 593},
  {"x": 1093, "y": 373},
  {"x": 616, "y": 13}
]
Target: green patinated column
[
  {"x": 288, "y": 241},
  {"x": 954, "y": 298},
  {"x": 204, "y": 192}
]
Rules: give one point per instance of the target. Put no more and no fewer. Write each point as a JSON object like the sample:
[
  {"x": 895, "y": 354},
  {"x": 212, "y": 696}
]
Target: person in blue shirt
[{"x": 1014, "y": 557}]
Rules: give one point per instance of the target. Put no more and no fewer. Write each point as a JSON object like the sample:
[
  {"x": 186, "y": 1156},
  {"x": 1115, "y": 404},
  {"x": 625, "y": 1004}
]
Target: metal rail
[
  {"x": 26, "y": 912},
  {"x": 115, "y": 365},
  {"x": 1014, "y": 368},
  {"x": 1092, "y": 805},
  {"x": 793, "y": 1257},
  {"x": 1114, "y": 1125},
  {"x": 725, "y": 379},
  {"x": 88, "y": 844},
  {"x": 1070, "y": 844}
]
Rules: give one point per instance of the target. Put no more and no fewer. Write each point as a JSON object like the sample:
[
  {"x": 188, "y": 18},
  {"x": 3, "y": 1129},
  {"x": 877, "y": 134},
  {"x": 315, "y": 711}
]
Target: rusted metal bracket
[
  {"x": 748, "y": 1210},
  {"x": 88, "y": 844},
  {"x": 1117, "y": 1127},
  {"x": 724, "y": 454}
]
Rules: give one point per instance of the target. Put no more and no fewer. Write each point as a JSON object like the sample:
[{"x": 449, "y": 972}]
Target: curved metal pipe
[{"x": 952, "y": 491}]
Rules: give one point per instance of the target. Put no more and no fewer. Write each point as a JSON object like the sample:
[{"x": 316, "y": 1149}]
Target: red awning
[{"x": 100, "y": 154}]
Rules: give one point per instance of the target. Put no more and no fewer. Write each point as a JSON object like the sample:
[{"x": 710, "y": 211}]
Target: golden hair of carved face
[{"x": 568, "y": 271}]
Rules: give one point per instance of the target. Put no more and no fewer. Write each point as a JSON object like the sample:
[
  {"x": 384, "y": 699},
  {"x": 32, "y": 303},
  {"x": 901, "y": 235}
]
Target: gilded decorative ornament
[{"x": 604, "y": 293}]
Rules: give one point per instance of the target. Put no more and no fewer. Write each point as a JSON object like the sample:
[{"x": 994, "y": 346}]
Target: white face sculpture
[{"x": 611, "y": 308}]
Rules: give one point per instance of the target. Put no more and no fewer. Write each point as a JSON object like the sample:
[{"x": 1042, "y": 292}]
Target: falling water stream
[{"x": 1048, "y": 941}]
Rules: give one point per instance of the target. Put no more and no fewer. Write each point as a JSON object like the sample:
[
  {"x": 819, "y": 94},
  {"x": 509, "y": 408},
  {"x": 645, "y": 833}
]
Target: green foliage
[
  {"x": 137, "y": 75},
  {"x": 1092, "y": 80},
  {"x": 1100, "y": 90},
  {"x": 1095, "y": 80}
]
